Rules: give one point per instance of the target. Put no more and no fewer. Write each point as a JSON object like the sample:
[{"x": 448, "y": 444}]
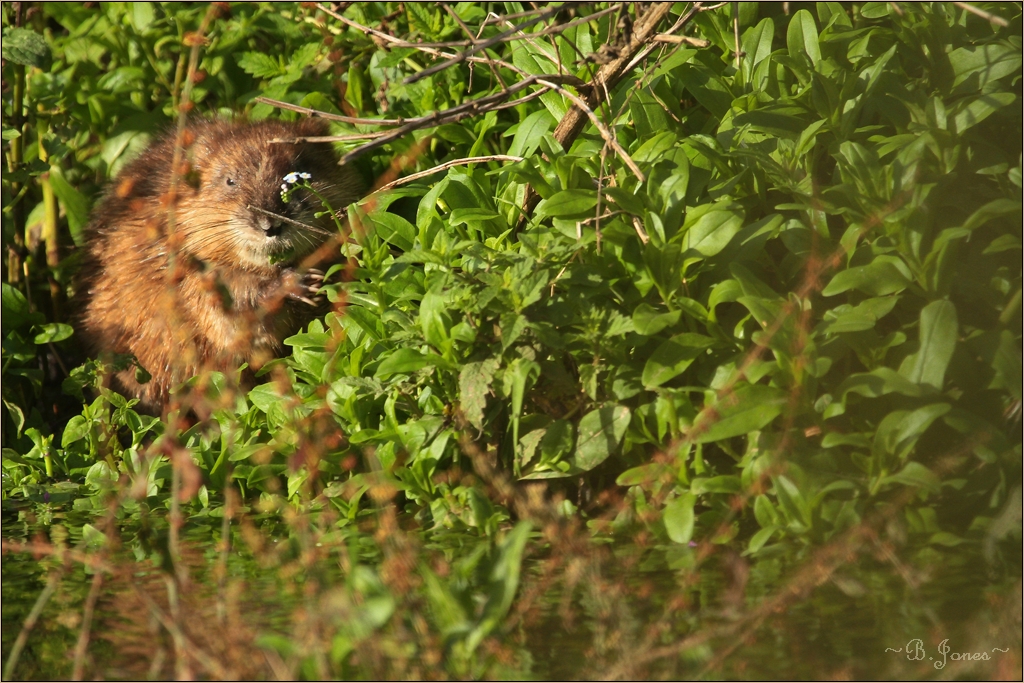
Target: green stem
[{"x": 50, "y": 215}]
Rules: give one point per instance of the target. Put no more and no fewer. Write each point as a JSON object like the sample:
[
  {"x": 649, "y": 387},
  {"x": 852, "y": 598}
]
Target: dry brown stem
[{"x": 571, "y": 125}]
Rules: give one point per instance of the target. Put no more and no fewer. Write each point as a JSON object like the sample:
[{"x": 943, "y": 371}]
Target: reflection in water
[{"x": 617, "y": 613}]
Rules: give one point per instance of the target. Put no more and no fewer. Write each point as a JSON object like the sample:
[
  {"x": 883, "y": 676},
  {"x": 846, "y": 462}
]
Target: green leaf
[
  {"x": 878, "y": 382},
  {"x": 25, "y": 47},
  {"x": 142, "y": 15},
  {"x": 648, "y": 321},
  {"x": 975, "y": 66},
  {"x": 802, "y": 37},
  {"x": 434, "y": 320},
  {"x": 757, "y": 44},
  {"x": 874, "y": 10},
  {"x": 502, "y": 583},
  {"x": 76, "y": 429},
  {"x": 76, "y": 206},
  {"x": 472, "y": 215},
  {"x": 678, "y": 518},
  {"x": 938, "y": 335},
  {"x": 645, "y": 475},
  {"x": 758, "y": 540},
  {"x": 648, "y": 114},
  {"x": 726, "y": 483},
  {"x": 259, "y": 64},
  {"x": 395, "y": 229},
  {"x": 529, "y": 132},
  {"x": 980, "y": 109},
  {"x": 93, "y": 538},
  {"x": 765, "y": 513},
  {"x": 996, "y": 208},
  {"x": 945, "y": 538},
  {"x": 600, "y": 433},
  {"x": 915, "y": 474},
  {"x": 710, "y": 228},
  {"x": 749, "y": 408},
  {"x": 791, "y": 500},
  {"x": 474, "y": 386},
  {"x": 672, "y": 358},
  {"x": 1006, "y": 362},
  {"x": 264, "y": 396},
  {"x": 863, "y": 316},
  {"x": 16, "y": 309},
  {"x": 557, "y": 441},
  {"x": 884, "y": 275},
  {"x": 567, "y": 203},
  {"x": 53, "y": 332},
  {"x": 899, "y": 431},
  {"x": 407, "y": 361},
  {"x": 707, "y": 88}
]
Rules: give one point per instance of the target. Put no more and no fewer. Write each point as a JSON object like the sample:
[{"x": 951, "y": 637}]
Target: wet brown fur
[{"x": 184, "y": 281}]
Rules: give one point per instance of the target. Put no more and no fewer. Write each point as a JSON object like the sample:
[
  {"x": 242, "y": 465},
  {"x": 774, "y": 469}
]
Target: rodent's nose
[
  {"x": 269, "y": 225},
  {"x": 275, "y": 227}
]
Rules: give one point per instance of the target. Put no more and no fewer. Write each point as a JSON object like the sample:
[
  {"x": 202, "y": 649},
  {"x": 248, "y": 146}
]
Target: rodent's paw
[
  {"x": 313, "y": 280},
  {"x": 306, "y": 287}
]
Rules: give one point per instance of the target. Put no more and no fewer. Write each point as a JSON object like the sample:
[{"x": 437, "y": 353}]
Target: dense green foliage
[{"x": 796, "y": 320}]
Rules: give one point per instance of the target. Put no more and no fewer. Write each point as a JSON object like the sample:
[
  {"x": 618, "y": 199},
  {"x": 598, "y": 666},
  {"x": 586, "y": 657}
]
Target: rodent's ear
[{"x": 312, "y": 127}]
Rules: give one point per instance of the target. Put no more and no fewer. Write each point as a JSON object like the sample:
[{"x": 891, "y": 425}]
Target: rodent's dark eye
[{"x": 230, "y": 182}]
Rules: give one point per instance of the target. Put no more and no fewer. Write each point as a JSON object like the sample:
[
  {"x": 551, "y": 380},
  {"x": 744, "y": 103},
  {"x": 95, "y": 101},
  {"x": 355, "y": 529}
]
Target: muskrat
[{"x": 205, "y": 275}]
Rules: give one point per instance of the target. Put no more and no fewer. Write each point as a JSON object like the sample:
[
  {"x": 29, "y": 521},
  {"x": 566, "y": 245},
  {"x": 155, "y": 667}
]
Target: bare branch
[
  {"x": 461, "y": 57},
  {"x": 290, "y": 221},
  {"x": 666, "y": 38},
  {"x": 327, "y": 115},
  {"x": 444, "y": 167},
  {"x": 998, "y": 21},
  {"x": 327, "y": 138},
  {"x": 736, "y": 30},
  {"x": 641, "y": 233},
  {"x": 608, "y": 75},
  {"x": 480, "y": 105},
  {"x": 458, "y": 20},
  {"x": 518, "y": 15},
  {"x": 680, "y": 22},
  {"x": 605, "y": 133}
]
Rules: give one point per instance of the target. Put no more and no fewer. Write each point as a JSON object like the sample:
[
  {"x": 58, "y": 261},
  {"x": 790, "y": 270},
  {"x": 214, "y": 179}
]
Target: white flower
[
  {"x": 284, "y": 188},
  {"x": 305, "y": 176},
  {"x": 292, "y": 178}
]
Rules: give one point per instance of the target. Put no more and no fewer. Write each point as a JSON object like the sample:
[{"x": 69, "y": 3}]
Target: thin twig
[
  {"x": 326, "y": 138},
  {"x": 83, "y": 636},
  {"x": 998, "y": 21},
  {"x": 736, "y": 31},
  {"x": 605, "y": 133},
  {"x": 461, "y": 57},
  {"x": 290, "y": 221},
  {"x": 371, "y": 31},
  {"x": 680, "y": 22},
  {"x": 641, "y": 233},
  {"x": 30, "y": 622},
  {"x": 327, "y": 115},
  {"x": 517, "y": 15},
  {"x": 445, "y": 166},
  {"x": 458, "y": 20},
  {"x": 560, "y": 28},
  {"x": 186, "y": 645},
  {"x": 479, "y": 105},
  {"x": 608, "y": 75},
  {"x": 696, "y": 42}
]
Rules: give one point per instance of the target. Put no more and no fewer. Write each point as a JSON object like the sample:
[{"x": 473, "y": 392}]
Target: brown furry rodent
[{"x": 201, "y": 277}]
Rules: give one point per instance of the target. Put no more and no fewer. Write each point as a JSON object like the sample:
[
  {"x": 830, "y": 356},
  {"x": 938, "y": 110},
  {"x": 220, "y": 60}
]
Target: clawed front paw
[{"x": 306, "y": 287}]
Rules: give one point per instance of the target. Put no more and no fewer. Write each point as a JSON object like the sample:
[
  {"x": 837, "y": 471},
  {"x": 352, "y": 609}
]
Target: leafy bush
[{"x": 770, "y": 306}]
